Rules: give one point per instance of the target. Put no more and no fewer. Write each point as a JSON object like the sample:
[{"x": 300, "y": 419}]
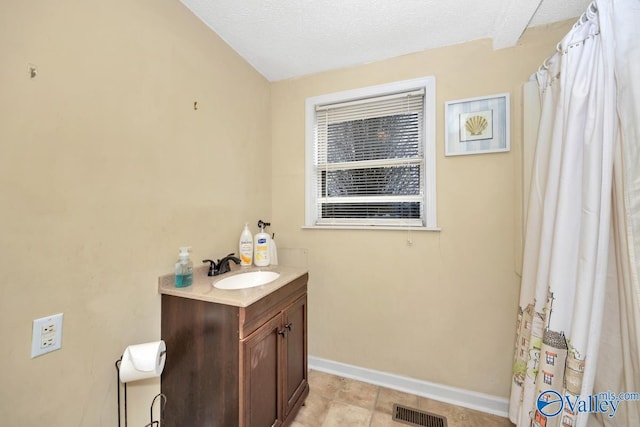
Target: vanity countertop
[{"x": 202, "y": 288}]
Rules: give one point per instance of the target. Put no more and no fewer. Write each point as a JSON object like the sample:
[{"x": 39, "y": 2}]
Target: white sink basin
[{"x": 247, "y": 280}]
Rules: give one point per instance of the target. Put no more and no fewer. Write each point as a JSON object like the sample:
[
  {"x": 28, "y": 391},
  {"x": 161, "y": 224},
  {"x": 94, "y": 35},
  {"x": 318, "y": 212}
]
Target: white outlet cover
[{"x": 47, "y": 335}]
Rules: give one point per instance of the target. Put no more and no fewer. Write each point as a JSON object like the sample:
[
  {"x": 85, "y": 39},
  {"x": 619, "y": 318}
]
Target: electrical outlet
[{"x": 47, "y": 335}]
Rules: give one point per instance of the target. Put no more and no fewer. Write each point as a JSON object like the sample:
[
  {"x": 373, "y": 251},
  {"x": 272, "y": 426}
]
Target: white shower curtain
[{"x": 571, "y": 272}]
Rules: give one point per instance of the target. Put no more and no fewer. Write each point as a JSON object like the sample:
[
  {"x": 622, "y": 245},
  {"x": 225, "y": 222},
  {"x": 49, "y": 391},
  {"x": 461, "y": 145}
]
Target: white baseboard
[{"x": 443, "y": 393}]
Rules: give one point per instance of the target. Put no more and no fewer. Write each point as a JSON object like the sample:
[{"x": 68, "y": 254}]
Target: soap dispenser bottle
[
  {"x": 261, "y": 246},
  {"x": 245, "y": 247},
  {"x": 184, "y": 268}
]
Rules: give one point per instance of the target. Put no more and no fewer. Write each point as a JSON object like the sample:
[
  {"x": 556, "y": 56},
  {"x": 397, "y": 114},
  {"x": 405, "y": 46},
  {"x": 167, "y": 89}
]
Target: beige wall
[
  {"x": 105, "y": 169},
  {"x": 444, "y": 309}
]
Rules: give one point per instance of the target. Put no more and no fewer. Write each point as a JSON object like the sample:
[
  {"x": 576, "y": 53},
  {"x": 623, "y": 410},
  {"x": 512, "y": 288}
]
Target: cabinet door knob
[
  {"x": 289, "y": 326},
  {"x": 282, "y": 333}
]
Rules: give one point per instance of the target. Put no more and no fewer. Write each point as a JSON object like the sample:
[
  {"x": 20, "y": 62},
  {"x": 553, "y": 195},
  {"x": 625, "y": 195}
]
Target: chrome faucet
[{"x": 222, "y": 266}]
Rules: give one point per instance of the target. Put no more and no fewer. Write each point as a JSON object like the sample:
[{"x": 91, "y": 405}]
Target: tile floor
[{"x": 341, "y": 402}]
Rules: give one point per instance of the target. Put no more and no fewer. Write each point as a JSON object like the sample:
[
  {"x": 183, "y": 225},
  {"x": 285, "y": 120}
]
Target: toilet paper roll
[{"x": 143, "y": 361}]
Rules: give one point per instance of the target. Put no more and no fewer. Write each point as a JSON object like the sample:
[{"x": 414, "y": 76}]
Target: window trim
[{"x": 429, "y": 149}]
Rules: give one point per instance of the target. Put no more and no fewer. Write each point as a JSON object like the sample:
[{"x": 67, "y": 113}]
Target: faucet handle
[{"x": 212, "y": 267}]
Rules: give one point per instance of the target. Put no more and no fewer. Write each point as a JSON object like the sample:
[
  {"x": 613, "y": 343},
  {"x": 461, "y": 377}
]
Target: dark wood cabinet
[
  {"x": 295, "y": 354},
  {"x": 236, "y": 366},
  {"x": 261, "y": 376}
]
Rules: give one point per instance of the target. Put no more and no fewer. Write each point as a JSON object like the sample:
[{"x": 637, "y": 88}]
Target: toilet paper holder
[{"x": 160, "y": 397}]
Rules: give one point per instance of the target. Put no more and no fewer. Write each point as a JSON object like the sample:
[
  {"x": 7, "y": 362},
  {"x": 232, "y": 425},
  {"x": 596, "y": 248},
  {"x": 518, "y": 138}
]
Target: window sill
[{"x": 368, "y": 227}]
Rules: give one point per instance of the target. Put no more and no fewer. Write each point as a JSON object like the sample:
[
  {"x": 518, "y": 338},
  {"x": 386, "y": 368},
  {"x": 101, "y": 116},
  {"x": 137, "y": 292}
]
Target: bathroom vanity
[{"x": 235, "y": 357}]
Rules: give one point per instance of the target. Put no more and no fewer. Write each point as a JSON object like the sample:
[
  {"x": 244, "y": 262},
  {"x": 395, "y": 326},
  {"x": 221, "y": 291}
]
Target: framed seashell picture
[{"x": 477, "y": 125}]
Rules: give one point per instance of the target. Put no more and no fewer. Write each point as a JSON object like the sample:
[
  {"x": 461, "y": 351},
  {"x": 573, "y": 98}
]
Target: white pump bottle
[{"x": 261, "y": 247}]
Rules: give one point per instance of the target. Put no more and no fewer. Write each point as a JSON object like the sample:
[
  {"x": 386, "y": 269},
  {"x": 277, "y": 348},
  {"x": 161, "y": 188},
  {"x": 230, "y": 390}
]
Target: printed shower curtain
[{"x": 580, "y": 273}]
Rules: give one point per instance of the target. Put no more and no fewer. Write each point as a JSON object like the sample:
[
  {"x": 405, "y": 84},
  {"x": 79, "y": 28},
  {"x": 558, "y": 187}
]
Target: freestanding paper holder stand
[{"x": 161, "y": 398}]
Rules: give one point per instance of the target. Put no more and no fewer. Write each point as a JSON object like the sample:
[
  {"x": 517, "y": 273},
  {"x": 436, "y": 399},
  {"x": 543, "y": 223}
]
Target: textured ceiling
[{"x": 290, "y": 38}]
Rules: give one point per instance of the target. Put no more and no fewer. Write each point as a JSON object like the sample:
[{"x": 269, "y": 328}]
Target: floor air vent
[{"x": 414, "y": 417}]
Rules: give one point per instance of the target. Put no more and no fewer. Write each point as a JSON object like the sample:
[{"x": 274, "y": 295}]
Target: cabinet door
[
  {"x": 295, "y": 352},
  {"x": 260, "y": 377},
  {"x": 200, "y": 377}
]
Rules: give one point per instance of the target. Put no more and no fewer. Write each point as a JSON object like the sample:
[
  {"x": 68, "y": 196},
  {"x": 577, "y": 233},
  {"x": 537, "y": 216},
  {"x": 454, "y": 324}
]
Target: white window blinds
[{"x": 369, "y": 161}]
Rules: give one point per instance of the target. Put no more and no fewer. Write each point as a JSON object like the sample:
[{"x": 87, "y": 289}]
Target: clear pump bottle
[{"x": 184, "y": 268}]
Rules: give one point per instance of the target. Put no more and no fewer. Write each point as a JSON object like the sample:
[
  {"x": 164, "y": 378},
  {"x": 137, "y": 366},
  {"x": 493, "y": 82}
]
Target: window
[
  {"x": 551, "y": 358},
  {"x": 370, "y": 159},
  {"x": 548, "y": 377}
]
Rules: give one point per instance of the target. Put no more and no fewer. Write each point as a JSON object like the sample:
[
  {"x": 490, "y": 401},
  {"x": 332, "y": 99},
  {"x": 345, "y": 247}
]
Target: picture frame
[{"x": 477, "y": 125}]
